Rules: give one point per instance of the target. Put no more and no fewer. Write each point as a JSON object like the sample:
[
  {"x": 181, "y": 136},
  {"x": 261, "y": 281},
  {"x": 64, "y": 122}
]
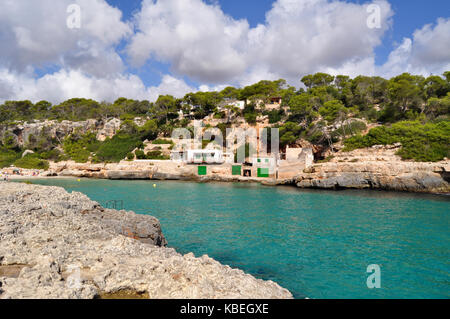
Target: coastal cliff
[{"x": 55, "y": 244}]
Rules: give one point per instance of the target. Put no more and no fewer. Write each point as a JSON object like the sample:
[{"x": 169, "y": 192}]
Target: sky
[{"x": 143, "y": 48}]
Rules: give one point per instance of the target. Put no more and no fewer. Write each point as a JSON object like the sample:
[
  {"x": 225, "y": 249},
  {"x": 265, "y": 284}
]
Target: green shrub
[
  {"x": 140, "y": 154},
  {"x": 250, "y": 118},
  {"x": 149, "y": 131},
  {"x": 428, "y": 142},
  {"x": 250, "y": 113},
  {"x": 32, "y": 161},
  {"x": 220, "y": 115},
  {"x": 115, "y": 149},
  {"x": 130, "y": 156},
  {"x": 289, "y": 133},
  {"x": 156, "y": 155},
  {"x": 8, "y": 157},
  {"x": 53, "y": 155},
  {"x": 10, "y": 143},
  {"x": 275, "y": 116},
  {"x": 162, "y": 142},
  {"x": 352, "y": 128},
  {"x": 315, "y": 136},
  {"x": 80, "y": 147}
]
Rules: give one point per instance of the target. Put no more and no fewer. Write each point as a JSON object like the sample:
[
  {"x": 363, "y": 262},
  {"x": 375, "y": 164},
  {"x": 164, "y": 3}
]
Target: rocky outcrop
[
  {"x": 124, "y": 174},
  {"x": 376, "y": 168},
  {"x": 59, "y": 130},
  {"x": 59, "y": 245},
  {"x": 109, "y": 129}
]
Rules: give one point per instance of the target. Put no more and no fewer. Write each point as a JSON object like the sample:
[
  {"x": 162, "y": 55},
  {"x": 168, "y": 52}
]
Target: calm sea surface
[{"x": 317, "y": 244}]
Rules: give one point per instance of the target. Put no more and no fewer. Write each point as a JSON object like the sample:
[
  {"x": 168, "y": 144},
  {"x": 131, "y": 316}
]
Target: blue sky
[{"x": 143, "y": 48}]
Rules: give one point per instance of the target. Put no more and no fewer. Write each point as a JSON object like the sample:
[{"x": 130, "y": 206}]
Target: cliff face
[
  {"x": 376, "y": 168},
  {"x": 59, "y": 245},
  {"x": 59, "y": 130}
]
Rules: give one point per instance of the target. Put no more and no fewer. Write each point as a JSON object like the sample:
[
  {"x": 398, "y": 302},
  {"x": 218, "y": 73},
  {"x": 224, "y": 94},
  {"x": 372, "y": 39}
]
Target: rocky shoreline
[
  {"x": 55, "y": 244},
  {"x": 433, "y": 178},
  {"x": 372, "y": 168},
  {"x": 416, "y": 178}
]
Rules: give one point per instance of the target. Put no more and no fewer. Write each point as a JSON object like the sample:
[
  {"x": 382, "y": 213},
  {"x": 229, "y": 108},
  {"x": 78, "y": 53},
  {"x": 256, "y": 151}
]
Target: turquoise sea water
[{"x": 317, "y": 244}]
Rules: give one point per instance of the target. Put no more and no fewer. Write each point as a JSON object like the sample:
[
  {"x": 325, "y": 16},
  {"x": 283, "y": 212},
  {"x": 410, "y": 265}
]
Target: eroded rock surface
[
  {"x": 59, "y": 245},
  {"x": 376, "y": 168}
]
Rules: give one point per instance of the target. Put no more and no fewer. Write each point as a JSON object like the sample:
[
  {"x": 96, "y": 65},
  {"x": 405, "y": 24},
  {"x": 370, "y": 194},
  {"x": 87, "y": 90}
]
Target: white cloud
[
  {"x": 354, "y": 67},
  {"x": 212, "y": 88},
  {"x": 398, "y": 61},
  {"x": 36, "y": 34},
  {"x": 427, "y": 52},
  {"x": 432, "y": 45},
  {"x": 298, "y": 37},
  {"x": 66, "y": 84},
  {"x": 305, "y": 36},
  {"x": 198, "y": 39},
  {"x": 172, "y": 86}
]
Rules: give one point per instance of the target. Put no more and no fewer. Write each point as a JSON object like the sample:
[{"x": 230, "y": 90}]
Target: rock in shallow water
[{"x": 59, "y": 245}]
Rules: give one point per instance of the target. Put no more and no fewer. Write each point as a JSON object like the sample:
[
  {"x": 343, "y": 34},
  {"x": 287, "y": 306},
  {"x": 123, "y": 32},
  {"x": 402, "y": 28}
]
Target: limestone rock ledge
[
  {"x": 55, "y": 244},
  {"x": 395, "y": 176}
]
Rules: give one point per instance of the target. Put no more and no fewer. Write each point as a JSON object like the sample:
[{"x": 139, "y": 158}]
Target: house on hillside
[
  {"x": 274, "y": 104},
  {"x": 235, "y": 103},
  {"x": 239, "y": 104}
]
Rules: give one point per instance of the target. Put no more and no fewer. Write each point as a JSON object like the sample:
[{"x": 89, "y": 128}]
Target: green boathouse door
[
  {"x": 236, "y": 170},
  {"x": 202, "y": 170},
  {"x": 263, "y": 172}
]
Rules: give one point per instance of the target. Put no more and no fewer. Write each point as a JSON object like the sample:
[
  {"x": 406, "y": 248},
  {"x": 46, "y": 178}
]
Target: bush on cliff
[
  {"x": 32, "y": 161},
  {"x": 140, "y": 154},
  {"x": 156, "y": 155},
  {"x": 429, "y": 142},
  {"x": 116, "y": 148},
  {"x": 53, "y": 155},
  {"x": 79, "y": 147},
  {"x": 7, "y": 157},
  {"x": 162, "y": 142},
  {"x": 149, "y": 131}
]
